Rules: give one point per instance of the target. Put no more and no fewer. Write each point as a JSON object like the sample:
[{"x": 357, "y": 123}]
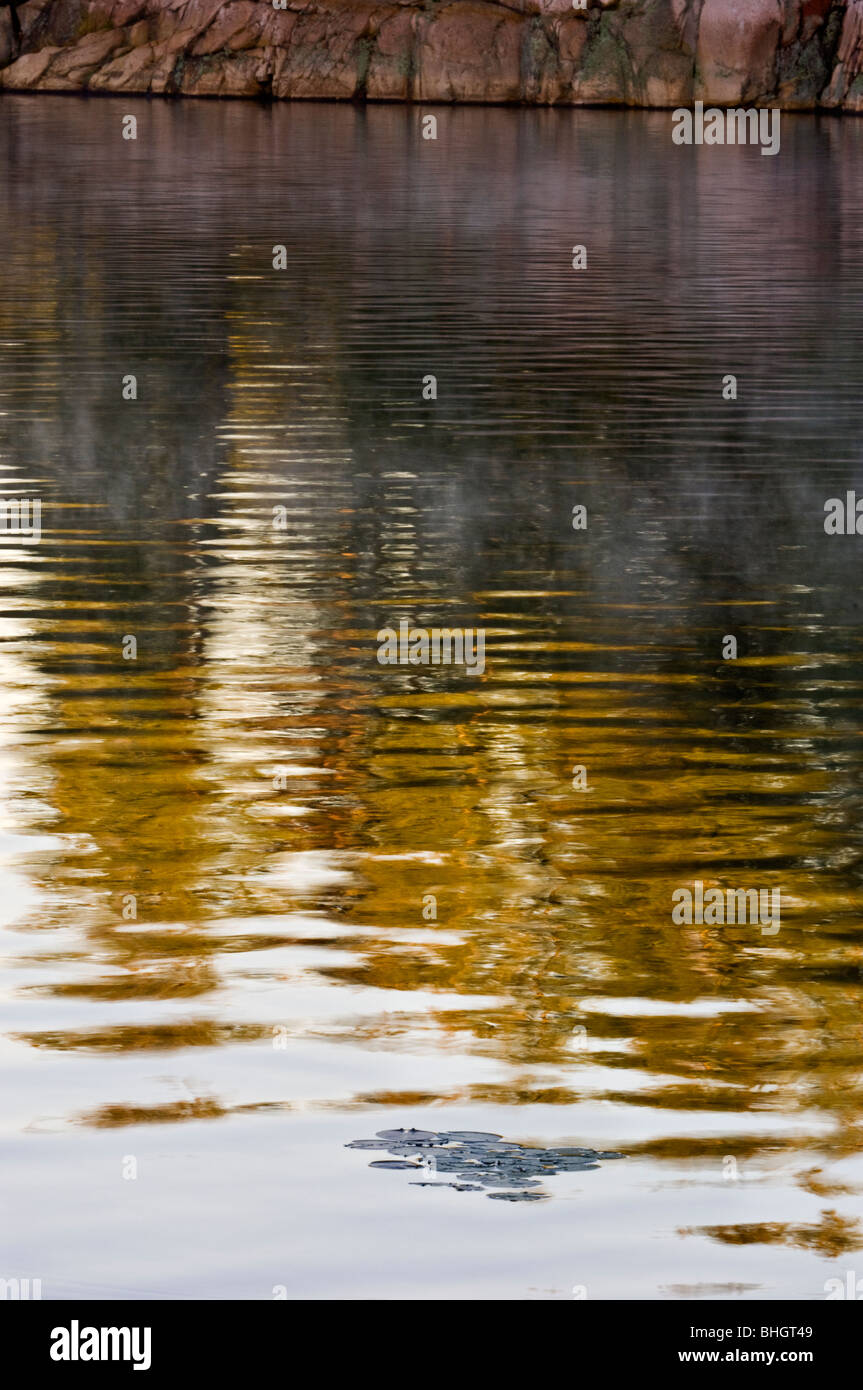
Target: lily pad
[
  {"x": 470, "y": 1160},
  {"x": 407, "y": 1136},
  {"x": 469, "y": 1136},
  {"x": 517, "y": 1196}
]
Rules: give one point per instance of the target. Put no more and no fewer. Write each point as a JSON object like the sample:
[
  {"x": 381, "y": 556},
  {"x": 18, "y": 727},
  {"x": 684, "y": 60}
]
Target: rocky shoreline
[{"x": 796, "y": 54}]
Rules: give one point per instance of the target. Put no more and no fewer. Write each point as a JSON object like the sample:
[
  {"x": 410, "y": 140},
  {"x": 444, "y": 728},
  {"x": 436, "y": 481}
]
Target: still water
[{"x": 222, "y": 963}]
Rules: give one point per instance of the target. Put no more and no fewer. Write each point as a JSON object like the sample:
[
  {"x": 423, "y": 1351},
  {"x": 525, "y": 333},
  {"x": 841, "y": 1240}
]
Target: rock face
[{"x": 799, "y": 54}]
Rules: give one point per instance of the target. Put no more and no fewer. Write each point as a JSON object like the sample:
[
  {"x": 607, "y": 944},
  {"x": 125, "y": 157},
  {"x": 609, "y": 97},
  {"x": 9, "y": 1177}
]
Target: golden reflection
[
  {"x": 248, "y": 823},
  {"x": 830, "y": 1237}
]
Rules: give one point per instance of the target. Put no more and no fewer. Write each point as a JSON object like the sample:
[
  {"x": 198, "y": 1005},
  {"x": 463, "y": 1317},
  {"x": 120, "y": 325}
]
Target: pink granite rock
[
  {"x": 26, "y": 71},
  {"x": 737, "y": 46},
  {"x": 469, "y": 51},
  {"x": 659, "y": 53}
]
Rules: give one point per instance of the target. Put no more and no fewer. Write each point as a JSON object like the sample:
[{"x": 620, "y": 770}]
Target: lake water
[{"x": 221, "y": 963}]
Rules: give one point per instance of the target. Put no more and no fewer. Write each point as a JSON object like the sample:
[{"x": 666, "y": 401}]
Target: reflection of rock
[
  {"x": 474, "y": 1161},
  {"x": 796, "y": 53}
]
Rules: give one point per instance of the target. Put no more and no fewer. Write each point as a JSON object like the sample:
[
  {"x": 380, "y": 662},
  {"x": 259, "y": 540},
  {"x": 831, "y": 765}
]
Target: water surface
[{"x": 220, "y": 966}]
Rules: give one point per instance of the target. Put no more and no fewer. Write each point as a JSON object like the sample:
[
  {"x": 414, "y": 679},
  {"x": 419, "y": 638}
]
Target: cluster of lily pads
[{"x": 472, "y": 1161}]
